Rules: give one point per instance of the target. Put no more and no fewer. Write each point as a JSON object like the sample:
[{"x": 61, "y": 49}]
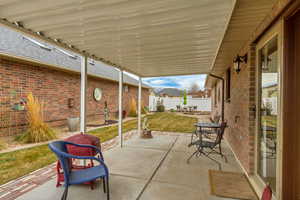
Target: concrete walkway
[{"x": 148, "y": 169}]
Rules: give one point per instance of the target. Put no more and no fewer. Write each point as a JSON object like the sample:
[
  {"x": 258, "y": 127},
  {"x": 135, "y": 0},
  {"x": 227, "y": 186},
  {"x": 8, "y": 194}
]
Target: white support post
[
  {"x": 120, "y": 108},
  {"x": 83, "y": 89},
  {"x": 140, "y": 106}
]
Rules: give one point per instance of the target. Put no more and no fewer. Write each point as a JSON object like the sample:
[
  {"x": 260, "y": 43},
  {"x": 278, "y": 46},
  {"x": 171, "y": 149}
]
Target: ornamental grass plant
[
  {"x": 38, "y": 130},
  {"x": 132, "y": 108},
  {"x": 3, "y": 145}
]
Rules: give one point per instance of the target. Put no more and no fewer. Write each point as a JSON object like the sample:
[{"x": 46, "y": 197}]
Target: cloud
[
  {"x": 157, "y": 82},
  {"x": 181, "y": 82}
]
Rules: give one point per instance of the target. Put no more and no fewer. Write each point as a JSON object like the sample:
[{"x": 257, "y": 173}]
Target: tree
[
  {"x": 184, "y": 98},
  {"x": 194, "y": 88}
]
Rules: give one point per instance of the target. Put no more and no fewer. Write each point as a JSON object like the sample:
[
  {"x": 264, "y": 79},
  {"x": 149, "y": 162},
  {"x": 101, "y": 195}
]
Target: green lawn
[
  {"x": 270, "y": 120},
  {"x": 171, "y": 122},
  {"x": 18, "y": 163}
]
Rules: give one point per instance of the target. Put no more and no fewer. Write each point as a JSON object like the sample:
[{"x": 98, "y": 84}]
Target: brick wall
[
  {"x": 239, "y": 112},
  {"x": 54, "y": 88}
]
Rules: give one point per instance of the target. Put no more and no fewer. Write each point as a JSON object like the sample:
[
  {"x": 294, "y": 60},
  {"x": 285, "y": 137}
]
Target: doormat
[{"x": 231, "y": 185}]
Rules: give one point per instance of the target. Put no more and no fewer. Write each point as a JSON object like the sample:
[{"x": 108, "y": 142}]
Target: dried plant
[
  {"x": 38, "y": 130},
  {"x": 3, "y": 145},
  {"x": 132, "y": 108}
]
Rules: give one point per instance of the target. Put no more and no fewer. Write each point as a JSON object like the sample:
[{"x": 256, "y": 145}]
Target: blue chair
[{"x": 79, "y": 176}]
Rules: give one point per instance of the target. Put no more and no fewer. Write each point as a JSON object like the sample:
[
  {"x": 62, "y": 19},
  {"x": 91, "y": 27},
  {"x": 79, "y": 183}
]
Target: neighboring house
[
  {"x": 170, "y": 92},
  {"x": 53, "y": 75},
  {"x": 200, "y": 94}
]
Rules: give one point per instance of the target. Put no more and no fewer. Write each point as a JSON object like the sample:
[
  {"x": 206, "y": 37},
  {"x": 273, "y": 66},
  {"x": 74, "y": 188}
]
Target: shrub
[
  {"x": 172, "y": 110},
  {"x": 38, "y": 130},
  {"x": 132, "y": 108},
  {"x": 160, "y": 108},
  {"x": 184, "y": 98},
  {"x": 144, "y": 110}
]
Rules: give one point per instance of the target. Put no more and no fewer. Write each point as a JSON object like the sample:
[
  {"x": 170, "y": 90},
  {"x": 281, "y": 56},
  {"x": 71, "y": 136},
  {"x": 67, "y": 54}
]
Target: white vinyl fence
[{"x": 203, "y": 104}]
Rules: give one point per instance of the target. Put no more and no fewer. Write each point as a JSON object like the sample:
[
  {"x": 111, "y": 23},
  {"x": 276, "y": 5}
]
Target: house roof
[
  {"x": 13, "y": 43},
  {"x": 172, "y": 92}
]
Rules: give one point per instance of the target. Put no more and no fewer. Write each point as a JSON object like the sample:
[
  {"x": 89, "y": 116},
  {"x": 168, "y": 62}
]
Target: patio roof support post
[
  {"x": 140, "y": 106},
  {"x": 83, "y": 89},
  {"x": 120, "y": 122}
]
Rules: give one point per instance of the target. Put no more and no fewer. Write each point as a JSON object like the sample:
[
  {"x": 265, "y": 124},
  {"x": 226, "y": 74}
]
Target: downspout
[{"x": 223, "y": 92}]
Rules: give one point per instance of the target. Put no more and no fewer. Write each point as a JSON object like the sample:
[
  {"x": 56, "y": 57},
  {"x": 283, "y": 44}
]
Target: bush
[
  {"x": 172, "y": 110},
  {"x": 144, "y": 110},
  {"x": 38, "y": 130},
  {"x": 132, "y": 108},
  {"x": 160, "y": 108}
]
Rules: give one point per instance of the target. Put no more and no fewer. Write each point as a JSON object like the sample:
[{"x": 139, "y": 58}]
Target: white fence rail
[{"x": 203, "y": 104}]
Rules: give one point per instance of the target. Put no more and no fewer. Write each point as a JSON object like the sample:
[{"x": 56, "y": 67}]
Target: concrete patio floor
[{"x": 148, "y": 169}]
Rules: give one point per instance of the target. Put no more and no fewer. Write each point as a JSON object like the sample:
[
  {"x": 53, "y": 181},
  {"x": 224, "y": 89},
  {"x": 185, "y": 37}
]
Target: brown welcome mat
[{"x": 231, "y": 185}]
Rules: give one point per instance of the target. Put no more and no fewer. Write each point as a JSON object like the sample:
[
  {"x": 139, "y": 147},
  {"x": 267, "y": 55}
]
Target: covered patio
[
  {"x": 148, "y": 39},
  {"x": 148, "y": 169}
]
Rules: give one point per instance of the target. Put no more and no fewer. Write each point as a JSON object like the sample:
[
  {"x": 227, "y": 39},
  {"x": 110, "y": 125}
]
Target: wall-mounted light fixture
[{"x": 237, "y": 62}]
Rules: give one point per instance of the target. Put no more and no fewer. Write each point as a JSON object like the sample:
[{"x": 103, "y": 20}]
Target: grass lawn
[
  {"x": 21, "y": 162},
  {"x": 270, "y": 120},
  {"x": 171, "y": 122}
]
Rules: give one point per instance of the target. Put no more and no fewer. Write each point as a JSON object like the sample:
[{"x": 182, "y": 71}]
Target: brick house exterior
[
  {"x": 54, "y": 87},
  {"x": 240, "y": 109}
]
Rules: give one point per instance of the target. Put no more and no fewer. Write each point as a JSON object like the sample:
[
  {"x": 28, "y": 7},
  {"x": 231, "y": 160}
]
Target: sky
[{"x": 180, "y": 82}]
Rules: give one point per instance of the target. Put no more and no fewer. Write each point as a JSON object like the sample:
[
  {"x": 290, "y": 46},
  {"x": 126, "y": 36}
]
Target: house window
[{"x": 228, "y": 84}]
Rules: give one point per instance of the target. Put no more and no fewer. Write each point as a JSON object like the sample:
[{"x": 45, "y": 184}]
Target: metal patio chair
[
  {"x": 207, "y": 147},
  {"x": 215, "y": 119},
  {"x": 209, "y": 132},
  {"x": 79, "y": 176}
]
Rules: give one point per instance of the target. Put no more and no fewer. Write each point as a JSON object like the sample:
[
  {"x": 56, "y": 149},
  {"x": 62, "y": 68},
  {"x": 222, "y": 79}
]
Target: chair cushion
[
  {"x": 267, "y": 194},
  {"x": 86, "y": 175}
]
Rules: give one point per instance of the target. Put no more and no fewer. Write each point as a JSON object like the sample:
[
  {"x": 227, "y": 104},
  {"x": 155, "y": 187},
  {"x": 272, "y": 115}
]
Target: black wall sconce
[{"x": 237, "y": 62}]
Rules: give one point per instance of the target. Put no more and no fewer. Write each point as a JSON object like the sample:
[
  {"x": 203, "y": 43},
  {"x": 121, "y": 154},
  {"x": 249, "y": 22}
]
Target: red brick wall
[
  {"x": 239, "y": 112},
  {"x": 54, "y": 88}
]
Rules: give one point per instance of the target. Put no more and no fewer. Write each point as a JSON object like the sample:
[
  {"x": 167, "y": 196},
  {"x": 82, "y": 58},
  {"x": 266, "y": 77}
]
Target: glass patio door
[{"x": 268, "y": 88}]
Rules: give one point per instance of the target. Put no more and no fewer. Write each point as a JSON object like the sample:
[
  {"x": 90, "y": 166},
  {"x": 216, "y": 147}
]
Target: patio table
[{"x": 202, "y": 126}]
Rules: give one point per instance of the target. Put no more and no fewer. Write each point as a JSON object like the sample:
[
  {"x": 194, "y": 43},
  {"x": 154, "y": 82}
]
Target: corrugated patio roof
[
  {"x": 15, "y": 44},
  {"x": 148, "y": 38}
]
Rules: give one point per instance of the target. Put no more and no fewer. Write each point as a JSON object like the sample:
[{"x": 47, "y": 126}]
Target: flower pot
[
  {"x": 146, "y": 134},
  {"x": 73, "y": 123}
]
